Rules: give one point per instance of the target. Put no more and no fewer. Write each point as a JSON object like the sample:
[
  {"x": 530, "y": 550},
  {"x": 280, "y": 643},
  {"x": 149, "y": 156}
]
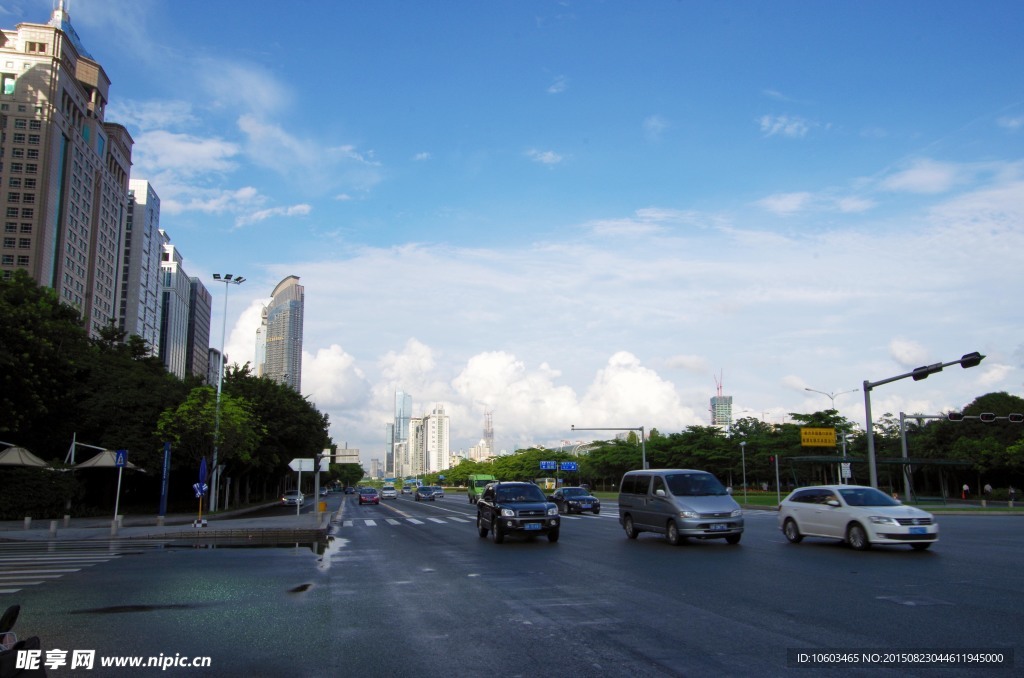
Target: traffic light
[
  {"x": 922, "y": 372},
  {"x": 316, "y": 462},
  {"x": 971, "y": 360},
  {"x": 1016, "y": 418},
  {"x": 955, "y": 416},
  {"x": 987, "y": 417},
  {"x": 771, "y": 459}
]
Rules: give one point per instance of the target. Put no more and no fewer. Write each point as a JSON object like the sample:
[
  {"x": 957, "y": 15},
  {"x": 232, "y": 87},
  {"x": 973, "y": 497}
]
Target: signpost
[
  {"x": 300, "y": 464},
  {"x": 120, "y": 460}
]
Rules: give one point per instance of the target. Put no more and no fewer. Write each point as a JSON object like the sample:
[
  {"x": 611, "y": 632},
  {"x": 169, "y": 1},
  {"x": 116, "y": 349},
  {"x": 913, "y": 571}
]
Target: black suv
[{"x": 516, "y": 508}]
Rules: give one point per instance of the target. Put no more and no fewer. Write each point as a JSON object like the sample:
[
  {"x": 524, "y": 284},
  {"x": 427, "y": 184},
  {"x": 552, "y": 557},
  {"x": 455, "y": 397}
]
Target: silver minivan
[{"x": 678, "y": 503}]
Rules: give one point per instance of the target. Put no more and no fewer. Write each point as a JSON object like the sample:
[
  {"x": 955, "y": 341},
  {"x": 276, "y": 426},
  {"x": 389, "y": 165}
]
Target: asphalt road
[{"x": 408, "y": 588}]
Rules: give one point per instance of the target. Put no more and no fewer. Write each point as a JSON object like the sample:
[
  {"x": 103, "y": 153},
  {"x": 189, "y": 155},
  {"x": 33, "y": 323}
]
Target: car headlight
[
  {"x": 689, "y": 514},
  {"x": 508, "y": 513},
  {"x": 737, "y": 513},
  {"x": 883, "y": 520},
  {"x": 553, "y": 511}
]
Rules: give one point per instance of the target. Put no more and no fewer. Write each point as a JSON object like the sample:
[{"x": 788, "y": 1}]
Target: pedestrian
[
  {"x": 965, "y": 492},
  {"x": 1013, "y": 494},
  {"x": 987, "y": 489}
]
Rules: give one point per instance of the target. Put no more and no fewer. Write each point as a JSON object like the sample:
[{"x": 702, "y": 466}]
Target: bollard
[
  {"x": 67, "y": 520},
  {"x": 53, "y": 528},
  {"x": 113, "y": 528},
  {"x": 28, "y": 522},
  {"x": 159, "y": 521}
]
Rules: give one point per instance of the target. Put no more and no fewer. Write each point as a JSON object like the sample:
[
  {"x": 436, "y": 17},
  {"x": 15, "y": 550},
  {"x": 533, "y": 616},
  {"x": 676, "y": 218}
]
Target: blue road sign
[
  {"x": 121, "y": 458},
  {"x": 547, "y": 466},
  {"x": 569, "y": 466}
]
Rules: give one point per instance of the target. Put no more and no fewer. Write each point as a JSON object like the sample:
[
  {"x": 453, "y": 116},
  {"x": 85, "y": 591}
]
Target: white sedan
[{"x": 860, "y": 516}]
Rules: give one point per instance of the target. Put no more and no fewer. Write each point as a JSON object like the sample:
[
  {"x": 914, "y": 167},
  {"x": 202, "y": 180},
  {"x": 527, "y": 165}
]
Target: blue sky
[{"x": 587, "y": 213}]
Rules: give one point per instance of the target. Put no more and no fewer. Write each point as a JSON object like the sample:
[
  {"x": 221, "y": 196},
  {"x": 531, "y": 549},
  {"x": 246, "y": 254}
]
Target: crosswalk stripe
[
  {"x": 436, "y": 520},
  {"x": 371, "y": 523},
  {"x": 34, "y": 563},
  {"x": 415, "y": 522},
  {"x": 392, "y": 521}
]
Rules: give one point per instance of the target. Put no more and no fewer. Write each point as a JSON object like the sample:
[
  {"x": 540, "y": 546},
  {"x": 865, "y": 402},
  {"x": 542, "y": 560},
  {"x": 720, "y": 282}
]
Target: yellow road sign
[{"x": 818, "y": 437}]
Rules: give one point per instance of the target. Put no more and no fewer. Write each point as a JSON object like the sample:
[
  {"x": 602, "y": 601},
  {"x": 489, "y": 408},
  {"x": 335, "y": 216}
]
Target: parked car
[
  {"x": 516, "y": 508},
  {"x": 388, "y": 492},
  {"x": 678, "y": 503},
  {"x": 292, "y": 498},
  {"x": 424, "y": 493},
  {"x": 575, "y": 499},
  {"x": 861, "y": 516},
  {"x": 368, "y": 495}
]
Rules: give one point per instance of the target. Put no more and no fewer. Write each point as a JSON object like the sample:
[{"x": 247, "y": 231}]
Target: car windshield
[
  {"x": 482, "y": 483},
  {"x": 520, "y": 493},
  {"x": 368, "y": 490},
  {"x": 574, "y": 492},
  {"x": 866, "y": 496},
  {"x": 694, "y": 485}
]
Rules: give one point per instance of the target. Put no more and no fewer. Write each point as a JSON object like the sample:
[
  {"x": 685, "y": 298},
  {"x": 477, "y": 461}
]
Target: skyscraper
[
  {"x": 174, "y": 320},
  {"x": 141, "y": 293},
  {"x": 64, "y": 171},
  {"x": 197, "y": 346},
  {"x": 282, "y": 334}
]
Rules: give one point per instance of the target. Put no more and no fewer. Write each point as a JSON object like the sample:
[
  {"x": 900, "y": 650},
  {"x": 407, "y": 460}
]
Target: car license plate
[
  {"x": 719, "y": 527},
  {"x": 587, "y": 507},
  {"x": 531, "y": 526},
  {"x": 918, "y": 530}
]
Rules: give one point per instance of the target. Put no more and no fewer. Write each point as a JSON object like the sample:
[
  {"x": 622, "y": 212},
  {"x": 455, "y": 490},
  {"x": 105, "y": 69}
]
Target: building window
[
  {"x": 7, "y": 260},
  {"x": 33, "y": 139},
  {"x": 12, "y": 211},
  {"x": 27, "y": 212},
  {"x": 19, "y": 138},
  {"x": 30, "y": 183},
  {"x": 10, "y": 227},
  {"x": 20, "y": 123},
  {"x": 30, "y": 168},
  {"x": 7, "y": 82},
  {"x": 22, "y": 260},
  {"x": 16, "y": 167},
  {"x": 10, "y": 242},
  {"x": 28, "y": 198},
  {"x": 33, "y": 154},
  {"x": 24, "y": 243},
  {"x": 35, "y": 124},
  {"x": 17, "y": 152},
  {"x": 14, "y": 197},
  {"x": 26, "y": 227},
  {"x": 14, "y": 182}
]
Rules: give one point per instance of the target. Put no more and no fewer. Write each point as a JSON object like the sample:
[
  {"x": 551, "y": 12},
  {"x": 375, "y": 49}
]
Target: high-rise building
[
  {"x": 282, "y": 334},
  {"x": 197, "y": 347},
  {"x": 141, "y": 291},
  {"x": 64, "y": 169},
  {"x": 429, "y": 444},
  {"x": 174, "y": 319},
  {"x": 721, "y": 411}
]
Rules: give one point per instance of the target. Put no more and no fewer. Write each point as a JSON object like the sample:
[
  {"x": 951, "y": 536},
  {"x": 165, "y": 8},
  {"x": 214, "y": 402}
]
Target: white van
[{"x": 678, "y": 503}]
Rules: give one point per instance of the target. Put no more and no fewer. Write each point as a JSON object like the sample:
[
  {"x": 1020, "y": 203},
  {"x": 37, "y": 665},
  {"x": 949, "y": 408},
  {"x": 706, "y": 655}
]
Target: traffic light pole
[{"x": 919, "y": 373}]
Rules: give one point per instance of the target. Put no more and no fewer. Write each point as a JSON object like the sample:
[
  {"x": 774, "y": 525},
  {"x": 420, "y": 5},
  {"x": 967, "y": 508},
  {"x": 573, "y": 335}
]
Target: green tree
[{"x": 190, "y": 427}]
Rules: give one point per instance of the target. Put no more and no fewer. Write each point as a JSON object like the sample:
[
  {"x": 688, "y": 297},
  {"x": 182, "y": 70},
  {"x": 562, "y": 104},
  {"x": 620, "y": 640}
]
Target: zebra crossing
[
  {"x": 408, "y": 520},
  {"x": 27, "y": 564}
]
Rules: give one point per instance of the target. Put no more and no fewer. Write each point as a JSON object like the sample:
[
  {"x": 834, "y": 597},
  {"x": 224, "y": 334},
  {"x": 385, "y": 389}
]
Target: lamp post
[
  {"x": 228, "y": 279},
  {"x": 919, "y": 373},
  {"x": 643, "y": 443},
  {"x": 743, "y": 461},
  {"x": 833, "y": 396}
]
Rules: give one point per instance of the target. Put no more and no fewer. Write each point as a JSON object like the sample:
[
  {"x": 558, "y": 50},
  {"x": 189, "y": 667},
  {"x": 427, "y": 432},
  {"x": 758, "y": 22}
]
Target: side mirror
[
  {"x": 659, "y": 492},
  {"x": 833, "y": 502}
]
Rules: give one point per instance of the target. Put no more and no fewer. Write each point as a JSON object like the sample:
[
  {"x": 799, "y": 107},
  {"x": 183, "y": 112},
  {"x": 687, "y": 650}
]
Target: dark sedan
[
  {"x": 425, "y": 493},
  {"x": 368, "y": 495},
  {"x": 575, "y": 500}
]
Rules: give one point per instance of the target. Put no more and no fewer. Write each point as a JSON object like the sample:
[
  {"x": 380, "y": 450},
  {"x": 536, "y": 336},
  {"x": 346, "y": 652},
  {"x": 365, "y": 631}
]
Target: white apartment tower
[
  {"x": 177, "y": 289},
  {"x": 429, "y": 443},
  {"x": 141, "y": 289},
  {"x": 64, "y": 169}
]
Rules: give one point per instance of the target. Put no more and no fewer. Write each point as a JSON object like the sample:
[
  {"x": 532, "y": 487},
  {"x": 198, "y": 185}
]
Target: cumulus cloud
[
  {"x": 333, "y": 380},
  {"x": 908, "y": 353},
  {"x": 785, "y": 203},
  {"x": 184, "y": 155}
]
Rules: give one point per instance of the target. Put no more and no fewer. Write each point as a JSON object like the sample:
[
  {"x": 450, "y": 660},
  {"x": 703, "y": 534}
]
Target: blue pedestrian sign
[{"x": 121, "y": 458}]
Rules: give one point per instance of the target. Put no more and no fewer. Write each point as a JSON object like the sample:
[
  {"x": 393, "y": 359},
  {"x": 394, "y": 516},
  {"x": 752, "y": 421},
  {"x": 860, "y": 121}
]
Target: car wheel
[
  {"x": 857, "y": 537},
  {"x": 596, "y": 511},
  {"x": 921, "y": 546},
  {"x": 553, "y": 536},
  {"x": 791, "y": 531},
  {"x": 733, "y": 539},
  {"x": 497, "y": 534},
  {"x": 480, "y": 528},
  {"x": 630, "y": 528},
  {"x": 672, "y": 533}
]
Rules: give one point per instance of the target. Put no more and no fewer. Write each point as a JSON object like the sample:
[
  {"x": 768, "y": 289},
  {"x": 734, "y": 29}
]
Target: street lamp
[
  {"x": 833, "y": 397},
  {"x": 743, "y": 459},
  {"x": 919, "y": 373},
  {"x": 228, "y": 279},
  {"x": 643, "y": 443}
]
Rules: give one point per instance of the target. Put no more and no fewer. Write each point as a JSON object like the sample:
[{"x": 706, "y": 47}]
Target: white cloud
[
  {"x": 1012, "y": 124},
  {"x": 544, "y": 157},
  {"x": 333, "y": 379},
  {"x": 908, "y": 353},
  {"x": 182, "y": 155},
  {"x": 784, "y": 125},
  {"x": 263, "y": 215},
  {"x": 786, "y": 203},
  {"x": 655, "y": 126},
  {"x": 690, "y": 363},
  {"x": 924, "y": 176},
  {"x": 558, "y": 86},
  {"x": 420, "y": 157}
]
